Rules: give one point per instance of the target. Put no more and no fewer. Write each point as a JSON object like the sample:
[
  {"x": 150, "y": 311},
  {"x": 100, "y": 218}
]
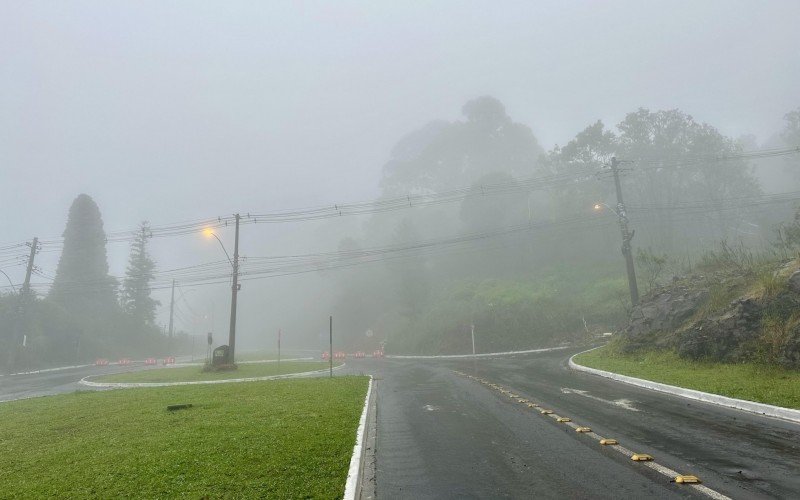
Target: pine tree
[
  {"x": 136, "y": 300},
  {"x": 82, "y": 284}
]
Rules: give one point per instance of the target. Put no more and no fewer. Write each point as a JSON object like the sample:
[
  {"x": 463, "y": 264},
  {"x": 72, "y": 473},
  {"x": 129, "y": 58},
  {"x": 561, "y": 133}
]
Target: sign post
[
  {"x": 331, "y": 346},
  {"x": 279, "y": 349}
]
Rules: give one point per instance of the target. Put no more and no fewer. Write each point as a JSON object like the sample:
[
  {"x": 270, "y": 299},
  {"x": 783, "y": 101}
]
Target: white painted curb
[
  {"x": 352, "y": 486},
  {"x": 482, "y": 355},
  {"x": 46, "y": 370},
  {"x": 706, "y": 397},
  {"x": 128, "y": 385}
]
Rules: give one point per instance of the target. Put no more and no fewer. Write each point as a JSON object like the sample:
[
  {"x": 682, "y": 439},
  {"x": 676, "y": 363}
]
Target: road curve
[{"x": 445, "y": 435}]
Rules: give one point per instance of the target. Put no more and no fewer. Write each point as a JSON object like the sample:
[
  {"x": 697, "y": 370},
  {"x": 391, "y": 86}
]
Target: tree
[
  {"x": 82, "y": 284},
  {"x": 669, "y": 150},
  {"x": 444, "y": 155},
  {"x": 135, "y": 298}
]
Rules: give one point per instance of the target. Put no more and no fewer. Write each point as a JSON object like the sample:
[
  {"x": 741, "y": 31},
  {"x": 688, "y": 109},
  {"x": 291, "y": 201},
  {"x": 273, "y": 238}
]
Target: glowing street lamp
[{"x": 208, "y": 232}]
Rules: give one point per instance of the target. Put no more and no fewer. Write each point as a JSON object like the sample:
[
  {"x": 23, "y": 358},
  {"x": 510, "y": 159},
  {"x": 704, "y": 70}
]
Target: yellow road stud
[
  {"x": 608, "y": 442},
  {"x": 687, "y": 479},
  {"x": 641, "y": 457},
  {"x": 563, "y": 419},
  {"x": 546, "y": 412},
  {"x": 583, "y": 429}
]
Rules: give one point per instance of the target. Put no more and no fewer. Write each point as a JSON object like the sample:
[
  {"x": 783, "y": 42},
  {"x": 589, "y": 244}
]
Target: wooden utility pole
[
  {"x": 171, "y": 309},
  {"x": 234, "y": 292},
  {"x": 627, "y": 235},
  {"x": 19, "y": 335}
]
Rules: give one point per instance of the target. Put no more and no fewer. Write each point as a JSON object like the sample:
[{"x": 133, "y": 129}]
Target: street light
[
  {"x": 208, "y": 232},
  {"x": 599, "y": 206}
]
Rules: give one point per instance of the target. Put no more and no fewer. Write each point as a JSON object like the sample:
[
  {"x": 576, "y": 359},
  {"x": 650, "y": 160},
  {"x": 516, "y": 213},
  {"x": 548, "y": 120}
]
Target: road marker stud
[
  {"x": 546, "y": 412},
  {"x": 641, "y": 457},
  {"x": 532, "y": 405},
  {"x": 583, "y": 429},
  {"x": 687, "y": 479},
  {"x": 563, "y": 419},
  {"x": 608, "y": 442},
  {"x": 522, "y": 400},
  {"x": 513, "y": 395}
]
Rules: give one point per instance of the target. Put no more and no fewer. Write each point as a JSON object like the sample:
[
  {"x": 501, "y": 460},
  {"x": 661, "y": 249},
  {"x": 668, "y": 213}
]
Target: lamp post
[
  {"x": 234, "y": 286},
  {"x": 627, "y": 236}
]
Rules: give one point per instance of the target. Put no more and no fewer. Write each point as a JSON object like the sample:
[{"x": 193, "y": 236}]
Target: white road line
[{"x": 622, "y": 403}]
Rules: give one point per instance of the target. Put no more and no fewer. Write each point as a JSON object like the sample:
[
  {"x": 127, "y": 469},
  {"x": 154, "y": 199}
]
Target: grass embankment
[
  {"x": 275, "y": 439},
  {"x": 196, "y": 373},
  {"x": 750, "y": 381}
]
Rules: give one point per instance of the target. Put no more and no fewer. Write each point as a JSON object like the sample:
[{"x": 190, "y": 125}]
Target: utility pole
[
  {"x": 627, "y": 234},
  {"x": 234, "y": 292},
  {"x": 23, "y": 294},
  {"x": 171, "y": 309}
]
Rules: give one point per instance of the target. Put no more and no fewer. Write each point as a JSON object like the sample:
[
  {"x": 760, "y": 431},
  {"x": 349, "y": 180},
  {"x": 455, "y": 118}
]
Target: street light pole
[
  {"x": 234, "y": 293},
  {"x": 627, "y": 235}
]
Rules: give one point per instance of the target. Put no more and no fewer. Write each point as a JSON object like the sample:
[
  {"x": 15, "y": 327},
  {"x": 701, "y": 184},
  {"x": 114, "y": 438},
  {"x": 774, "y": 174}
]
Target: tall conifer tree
[
  {"x": 135, "y": 298},
  {"x": 82, "y": 283}
]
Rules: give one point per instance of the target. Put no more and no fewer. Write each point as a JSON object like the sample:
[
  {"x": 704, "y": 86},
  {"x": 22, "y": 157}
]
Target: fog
[{"x": 187, "y": 111}]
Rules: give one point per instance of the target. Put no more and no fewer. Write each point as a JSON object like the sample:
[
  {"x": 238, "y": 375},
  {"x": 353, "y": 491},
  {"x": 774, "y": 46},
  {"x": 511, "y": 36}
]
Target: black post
[
  {"x": 330, "y": 358},
  {"x": 234, "y": 292},
  {"x": 627, "y": 236}
]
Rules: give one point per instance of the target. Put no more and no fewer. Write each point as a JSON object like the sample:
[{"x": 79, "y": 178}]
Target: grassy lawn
[
  {"x": 750, "y": 381},
  {"x": 193, "y": 373},
  {"x": 273, "y": 439}
]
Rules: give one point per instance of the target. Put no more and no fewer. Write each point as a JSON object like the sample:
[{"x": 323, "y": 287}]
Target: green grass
[
  {"x": 194, "y": 373},
  {"x": 273, "y": 439},
  {"x": 751, "y": 381}
]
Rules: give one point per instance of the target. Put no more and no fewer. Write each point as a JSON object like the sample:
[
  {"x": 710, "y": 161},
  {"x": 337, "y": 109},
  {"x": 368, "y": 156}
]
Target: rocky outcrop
[
  {"x": 724, "y": 337},
  {"x": 755, "y": 326},
  {"x": 794, "y": 282},
  {"x": 662, "y": 311}
]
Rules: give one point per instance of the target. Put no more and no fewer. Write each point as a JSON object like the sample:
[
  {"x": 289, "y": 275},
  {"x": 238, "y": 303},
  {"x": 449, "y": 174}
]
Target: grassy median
[
  {"x": 195, "y": 373},
  {"x": 750, "y": 381},
  {"x": 272, "y": 439}
]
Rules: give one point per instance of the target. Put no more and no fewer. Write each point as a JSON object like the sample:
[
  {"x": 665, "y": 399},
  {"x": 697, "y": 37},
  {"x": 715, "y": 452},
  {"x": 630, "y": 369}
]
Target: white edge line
[
  {"x": 354, "y": 473},
  {"x": 128, "y": 385},
  {"x": 706, "y": 397},
  {"x": 482, "y": 355}
]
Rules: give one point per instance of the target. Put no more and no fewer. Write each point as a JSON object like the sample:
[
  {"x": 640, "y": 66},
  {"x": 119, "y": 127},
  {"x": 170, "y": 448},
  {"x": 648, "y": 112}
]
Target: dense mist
[{"x": 420, "y": 173}]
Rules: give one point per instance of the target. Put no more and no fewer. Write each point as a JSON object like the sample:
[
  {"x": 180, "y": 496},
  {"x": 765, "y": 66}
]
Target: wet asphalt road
[
  {"x": 443, "y": 435},
  {"x": 52, "y": 382}
]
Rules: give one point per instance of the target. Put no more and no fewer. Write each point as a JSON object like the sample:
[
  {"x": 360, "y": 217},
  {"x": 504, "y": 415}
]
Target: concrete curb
[
  {"x": 129, "y": 385},
  {"x": 706, "y": 397},
  {"x": 45, "y": 370},
  {"x": 482, "y": 355},
  {"x": 352, "y": 488}
]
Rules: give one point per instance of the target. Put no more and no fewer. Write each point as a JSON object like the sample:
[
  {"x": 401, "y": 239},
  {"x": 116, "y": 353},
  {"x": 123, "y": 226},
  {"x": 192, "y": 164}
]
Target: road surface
[{"x": 444, "y": 435}]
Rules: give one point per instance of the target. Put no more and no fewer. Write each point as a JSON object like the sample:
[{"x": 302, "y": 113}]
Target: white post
[{"x": 473, "y": 339}]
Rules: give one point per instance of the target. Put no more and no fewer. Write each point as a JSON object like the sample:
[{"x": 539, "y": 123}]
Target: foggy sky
[{"x": 168, "y": 111}]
